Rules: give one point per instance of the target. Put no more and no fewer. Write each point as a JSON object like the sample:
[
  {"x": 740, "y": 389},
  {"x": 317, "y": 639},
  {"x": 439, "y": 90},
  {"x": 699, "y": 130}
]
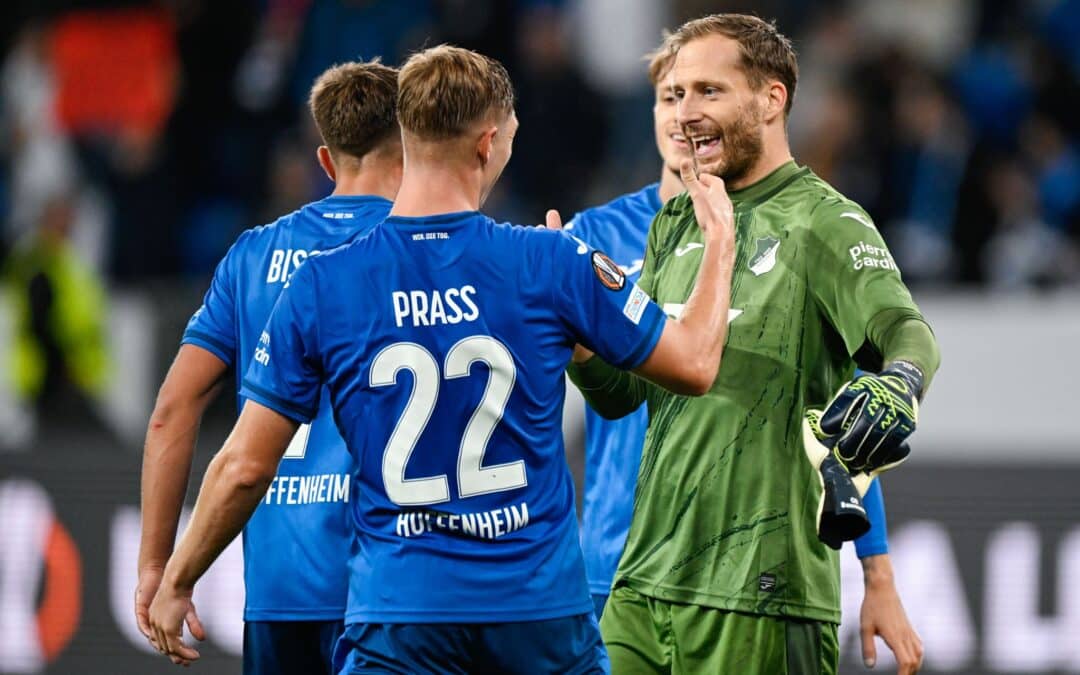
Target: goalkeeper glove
[
  {"x": 872, "y": 416},
  {"x": 840, "y": 513}
]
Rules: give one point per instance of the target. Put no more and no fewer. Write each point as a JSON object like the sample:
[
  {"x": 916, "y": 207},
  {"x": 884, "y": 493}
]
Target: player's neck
[
  {"x": 376, "y": 177},
  {"x": 775, "y": 155},
  {"x": 432, "y": 189},
  {"x": 670, "y": 185}
]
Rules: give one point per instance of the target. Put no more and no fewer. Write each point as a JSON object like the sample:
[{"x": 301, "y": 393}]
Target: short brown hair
[
  {"x": 353, "y": 105},
  {"x": 766, "y": 54},
  {"x": 445, "y": 89},
  {"x": 660, "y": 60}
]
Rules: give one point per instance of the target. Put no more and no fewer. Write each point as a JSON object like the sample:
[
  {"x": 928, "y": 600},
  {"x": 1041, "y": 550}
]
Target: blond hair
[
  {"x": 765, "y": 53},
  {"x": 353, "y": 105},
  {"x": 444, "y": 90},
  {"x": 660, "y": 60}
]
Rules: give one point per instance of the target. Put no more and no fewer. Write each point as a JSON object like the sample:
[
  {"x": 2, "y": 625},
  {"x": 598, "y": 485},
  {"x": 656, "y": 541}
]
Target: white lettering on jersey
[
  {"x": 632, "y": 268},
  {"x": 433, "y": 308},
  {"x": 482, "y": 524},
  {"x": 283, "y": 262},
  {"x": 316, "y": 489},
  {"x": 865, "y": 255}
]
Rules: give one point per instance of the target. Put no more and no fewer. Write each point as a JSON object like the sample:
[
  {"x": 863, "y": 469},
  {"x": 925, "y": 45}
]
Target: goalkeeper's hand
[{"x": 872, "y": 416}]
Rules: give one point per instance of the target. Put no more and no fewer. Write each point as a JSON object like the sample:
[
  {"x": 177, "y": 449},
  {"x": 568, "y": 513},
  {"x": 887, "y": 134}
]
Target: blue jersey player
[
  {"x": 441, "y": 339},
  {"x": 297, "y": 543},
  {"x": 613, "y": 447}
]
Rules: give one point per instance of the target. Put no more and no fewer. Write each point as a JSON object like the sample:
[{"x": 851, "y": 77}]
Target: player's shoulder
[
  {"x": 640, "y": 204},
  {"x": 824, "y": 214},
  {"x": 824, "y": 203},
  {"x": 262, "y": 235}
]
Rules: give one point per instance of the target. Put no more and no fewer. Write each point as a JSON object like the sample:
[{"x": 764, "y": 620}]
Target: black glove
[
  {"x": 840, "y": 514},
  {"x": 872, "y": 416}
]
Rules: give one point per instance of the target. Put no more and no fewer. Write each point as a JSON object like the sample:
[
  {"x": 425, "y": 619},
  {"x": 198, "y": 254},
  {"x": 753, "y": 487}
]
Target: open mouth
[
  {"x": 680, "y": 141},
  {"x": 705, "y": 145}
]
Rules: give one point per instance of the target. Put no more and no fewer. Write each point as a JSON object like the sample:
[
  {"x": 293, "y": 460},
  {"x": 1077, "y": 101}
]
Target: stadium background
[{"x": 137, "y": 139}]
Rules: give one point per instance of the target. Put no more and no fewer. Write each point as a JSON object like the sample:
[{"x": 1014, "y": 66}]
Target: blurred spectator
[
  {"x": 59, "y": 361},
  {"x": 184, "y": 115},
  {"x": 1024, "y": 250},
  {"x": 929, "y": 159},
  {"x": 560, "y": 144}
]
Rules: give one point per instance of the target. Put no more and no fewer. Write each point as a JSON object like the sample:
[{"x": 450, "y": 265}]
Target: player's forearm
[
  {"x": 903, "y": 335},
  {"x": 705, "y": 318},
  {"x": 235, "y": 481},
  {"x": 167, "y": 455},
  {"x": 613, "y": 393},
  {"x": 230, "y": 492}
]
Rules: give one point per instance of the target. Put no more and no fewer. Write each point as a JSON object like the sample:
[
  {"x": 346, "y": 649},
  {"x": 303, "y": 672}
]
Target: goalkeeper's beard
[{"x": 742, "y": 145}]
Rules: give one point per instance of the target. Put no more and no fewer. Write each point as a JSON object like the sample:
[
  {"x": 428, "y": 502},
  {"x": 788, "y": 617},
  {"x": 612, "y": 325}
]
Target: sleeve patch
[
  {"x": 635, "y": 305},
  {"x": 608, "y": 272}
]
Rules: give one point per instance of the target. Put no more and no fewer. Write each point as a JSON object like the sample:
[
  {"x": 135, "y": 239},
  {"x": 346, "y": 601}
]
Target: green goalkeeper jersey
[{"x": 726, "y": 503}]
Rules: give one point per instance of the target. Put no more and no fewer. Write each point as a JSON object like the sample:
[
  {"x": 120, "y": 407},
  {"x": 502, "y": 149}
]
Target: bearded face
[
  {"x": 728, "y": 150},
  {"x": 722, "y": 116}
]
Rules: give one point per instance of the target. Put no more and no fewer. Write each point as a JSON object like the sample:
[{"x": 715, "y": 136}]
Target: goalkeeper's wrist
[{"x": 908, "y": 372}]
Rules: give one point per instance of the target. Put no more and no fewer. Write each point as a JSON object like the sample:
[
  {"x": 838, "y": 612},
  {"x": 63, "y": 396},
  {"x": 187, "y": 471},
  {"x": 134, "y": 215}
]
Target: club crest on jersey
[
  {"x": 764, "y": 258},
  {"x": 608, "y": 272}
]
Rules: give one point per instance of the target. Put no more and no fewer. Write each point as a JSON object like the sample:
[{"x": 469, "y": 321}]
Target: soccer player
[
  {"x": 722, "y": 570},
  {"x": 613, "y": 447},
  {"x": 297, "y": 543},
  {"x": 442, "y": 338}
]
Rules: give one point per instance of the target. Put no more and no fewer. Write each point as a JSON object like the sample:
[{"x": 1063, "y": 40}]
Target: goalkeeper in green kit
[{"x": 723, "y": 569}]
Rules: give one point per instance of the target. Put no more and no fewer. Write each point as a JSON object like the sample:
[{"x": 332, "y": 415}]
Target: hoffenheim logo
[{"x": 764, "y": 258}]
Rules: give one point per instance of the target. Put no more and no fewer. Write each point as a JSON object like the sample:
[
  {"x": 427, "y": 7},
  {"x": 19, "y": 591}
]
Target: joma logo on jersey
[{"x": 283, "y": 262}]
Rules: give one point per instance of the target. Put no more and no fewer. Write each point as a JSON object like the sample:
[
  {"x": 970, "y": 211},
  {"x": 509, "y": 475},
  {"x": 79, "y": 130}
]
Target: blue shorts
[
  {"x": 289, "y": 647},
  {"x": 567, "y": 645}
]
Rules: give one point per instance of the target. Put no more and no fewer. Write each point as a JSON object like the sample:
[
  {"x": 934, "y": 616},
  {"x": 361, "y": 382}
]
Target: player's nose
[{"x": 687, "y": 112}]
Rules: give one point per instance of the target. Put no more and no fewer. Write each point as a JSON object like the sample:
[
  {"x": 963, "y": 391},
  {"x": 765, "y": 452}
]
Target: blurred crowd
[{"x": 138, "y": 138}]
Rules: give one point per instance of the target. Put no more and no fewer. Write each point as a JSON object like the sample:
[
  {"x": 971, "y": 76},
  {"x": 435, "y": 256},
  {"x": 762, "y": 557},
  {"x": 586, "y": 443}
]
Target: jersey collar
[{"x": 769, "y": 185}]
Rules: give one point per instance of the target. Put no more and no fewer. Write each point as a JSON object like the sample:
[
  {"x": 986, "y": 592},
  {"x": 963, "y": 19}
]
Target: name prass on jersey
[{"x": 433, "y": 308}]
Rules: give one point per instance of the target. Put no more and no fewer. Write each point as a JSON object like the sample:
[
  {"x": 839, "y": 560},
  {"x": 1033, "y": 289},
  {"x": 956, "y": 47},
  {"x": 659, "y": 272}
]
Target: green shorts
[{"x": 646, "y": 635}]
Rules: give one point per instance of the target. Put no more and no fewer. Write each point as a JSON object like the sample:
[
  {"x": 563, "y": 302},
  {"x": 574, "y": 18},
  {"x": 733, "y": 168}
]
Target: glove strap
[{"x": 908, "y": 372}]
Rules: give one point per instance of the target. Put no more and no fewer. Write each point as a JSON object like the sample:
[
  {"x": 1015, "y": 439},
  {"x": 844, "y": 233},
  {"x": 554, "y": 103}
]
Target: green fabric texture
[
  {"x": 726, "y": 499},
  {"x": 646, "y": 635},
  {"x": 899, "y": 335}
]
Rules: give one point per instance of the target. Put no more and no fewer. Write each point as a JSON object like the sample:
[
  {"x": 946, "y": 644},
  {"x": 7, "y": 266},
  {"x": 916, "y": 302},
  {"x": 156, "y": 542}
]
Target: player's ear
[
  {"x": 776, "y": 98},
  {"x": 485, "y": 144},
  {"x": 326, "y": 161}
]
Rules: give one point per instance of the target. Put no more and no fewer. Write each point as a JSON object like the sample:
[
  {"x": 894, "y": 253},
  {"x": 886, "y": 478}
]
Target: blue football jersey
[
  {"x": 297, "y": 543},
  {"x": 443, "y": 341},
  {"x": 613, "y": 447}
]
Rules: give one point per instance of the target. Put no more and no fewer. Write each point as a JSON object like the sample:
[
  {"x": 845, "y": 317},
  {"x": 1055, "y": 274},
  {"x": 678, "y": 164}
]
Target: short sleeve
[
  {"x": 851, "y": 273},
  {"x": 213, "y": 326},
  {"x": 285, "y": 372},
  {"x": 610, "y": 316}
]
